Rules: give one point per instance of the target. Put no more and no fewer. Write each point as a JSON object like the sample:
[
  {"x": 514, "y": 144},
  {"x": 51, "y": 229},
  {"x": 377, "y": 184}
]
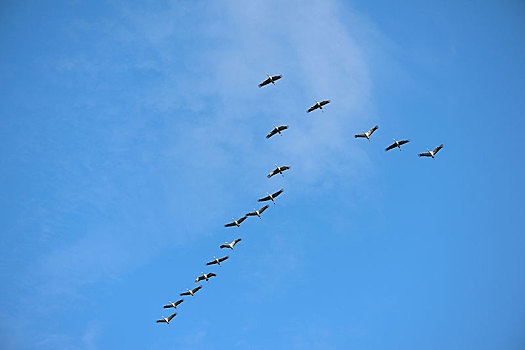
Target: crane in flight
[
  {"x": 318, "y": 105},
  {"x": 397, "y": 144},
  {"x": 430, "y": 153},
  {"x": 270, "y": 80},
  {"x": 368, "y": 133},
  {"x": 270, "y": 197}
]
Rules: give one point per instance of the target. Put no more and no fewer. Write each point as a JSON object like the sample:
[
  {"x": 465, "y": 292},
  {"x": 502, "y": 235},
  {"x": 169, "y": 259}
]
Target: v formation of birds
[{"x": 272, "y": 196}]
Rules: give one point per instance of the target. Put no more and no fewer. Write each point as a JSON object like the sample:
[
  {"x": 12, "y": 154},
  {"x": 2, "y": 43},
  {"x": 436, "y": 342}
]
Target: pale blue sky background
[{"x": 130, "y": 133}]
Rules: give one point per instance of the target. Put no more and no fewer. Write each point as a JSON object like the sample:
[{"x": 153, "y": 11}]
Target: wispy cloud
[{"x": 197, "y": 129}]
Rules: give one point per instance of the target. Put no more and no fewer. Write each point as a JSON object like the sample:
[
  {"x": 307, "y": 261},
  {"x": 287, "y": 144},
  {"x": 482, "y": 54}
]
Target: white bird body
[
  {"x": 191, "y": 291},
  {"x": 231, "y": 245},
  {"x": 205, "y": 276},
  {"x": 278, "y": 170},
  {"x": 270, "y": 80},
  {"x": 397, "y": 144},
  {"x": 318, "y": 105},
  {"x": 167, "y": 319},
  {"x": 218, "y": 261},
  {"x": 277, "y": 130},
  {"x": 236, "y": 222},
  {"x": 430, "y": 153},
  {"x": 271, "y": 197},
  {"x": 368, "y": 133}
]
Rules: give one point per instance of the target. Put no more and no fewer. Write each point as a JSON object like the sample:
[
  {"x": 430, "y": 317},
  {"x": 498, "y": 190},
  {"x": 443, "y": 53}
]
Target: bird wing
[
  {"x": 167, "y": 306},
  {"x": 313, "y": 108},
  {"x": 266, "y": 82},
  {"x": 282, "y": 127},
  {"x": 267, "y": 198},
  {"x": 200, "y": 278},
  {"x": 172, "y": 315},
  {"x": 211, "y": 274},
  {"x": 230, "y": 224},
  {"x": 426, "y": 154},
  {"x": 322, "y": 103},
  {"x": 371, "y": 131},
  {"x": 271, "y": 133},
  {"x": 272, "y": 173},
  {"x": 252, "y": 213},
  {"x": 225, "y": 258},
  {"x": 185, "y": 293},
  {"x": 241, "y": 219},
  {"x": 178, "y": 302},
  {"x": 236, "y": 241},
  {"x": 263, "y": 209},
  {"x": 276, "y": 77},
  {"x": 436, "y": 150},
  {"x": 196, "y": 289},
  {"x": 283, "y": 168},
  {"x": 160, "y": 321},
  {"x": 359, "y": 135},
  {"x": 402, "y": 142},
  {"x": 390, "y": 147},
  {"x": 277, "y": 193},
  {"x": 224, "y": 246},
  {"x": 211, "y": 263}
]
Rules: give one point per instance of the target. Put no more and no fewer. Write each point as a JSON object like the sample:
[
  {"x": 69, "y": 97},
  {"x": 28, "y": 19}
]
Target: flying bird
[
  {"x": 318, "y": 105},
  {"x": 270, "y": 80},
  {"x": 167, "y": 319},
  {"x": 397, "y": 144},
  {"x": 277, "y": 130},
  {"x": 231, "y": 245},
  {"x": 236, "y": 222},
  {"x": 270, "y": 197},
  {"x": 431, "y": 153},
  {"x": 258, "y": 212},
  {"x": 368, "y": 133},
  {"x": 278, "y": 170},
  {"x": 205, "y": 276},
  {"x": 218, "y": 261},
  {"x": 191, "y": 292},
  {"x": 173, "y": 305}
]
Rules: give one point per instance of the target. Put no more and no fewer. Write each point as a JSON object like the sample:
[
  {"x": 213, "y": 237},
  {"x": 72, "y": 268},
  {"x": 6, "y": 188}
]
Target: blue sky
[{"x": 131, "y": 132}]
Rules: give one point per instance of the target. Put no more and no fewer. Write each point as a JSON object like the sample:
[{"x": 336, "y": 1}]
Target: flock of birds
[{"x": 271, "y": 197}]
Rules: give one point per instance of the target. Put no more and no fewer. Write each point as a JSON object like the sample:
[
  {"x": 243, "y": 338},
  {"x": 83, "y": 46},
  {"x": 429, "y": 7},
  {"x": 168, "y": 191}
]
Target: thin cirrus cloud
[{"x": 192, "y": 142}]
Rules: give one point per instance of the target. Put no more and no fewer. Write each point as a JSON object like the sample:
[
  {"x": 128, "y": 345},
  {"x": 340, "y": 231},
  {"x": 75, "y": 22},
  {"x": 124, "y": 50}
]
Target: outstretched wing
[
  {"x": 224, "y": 258},
  {"x": 167, "y": 307},
  {"x": 390, "y": 147},
  {"x": 185, "y": 293},
  {"x": 322, "y": 103},
  {"x": 252, "y": 213},
  {"x": 271, "y": 133},
  {"x": 172, "y": 315},
  {"x": 224, "y": 246},
  {"x": 160, "y": 321},
  {"x": 210, "y": 263},
  {"x": 178, "y": 302},
  {"x": 359, "y": 135},
  {"x": 276, "y": 77},
  {"x": 196, "y": 289},
  {"x": 426, "y": 154},
  {"x": 436, "y": 150},
  {"x": 283, "y": 168},
  {"x": 266, "y": 82},
  {"x": 371, "y": 131},
  {"x": 230, "y": 224},
  {"x": 236, "y": 241},
  {"x": 241, "y": 219},
  {"x": 282, "y": 127},
  {"x": 200, "y": 278},
  {"x": 272, "y": 173},
  {"x": 263, "y": 199},
  {"x": 277, "y": 193},
  {"x": 313, "y": 108},
  {"x": 211, "y": 274},
  {"x": 263, "y": 209},
  {"x": 402, "y": 142}
]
